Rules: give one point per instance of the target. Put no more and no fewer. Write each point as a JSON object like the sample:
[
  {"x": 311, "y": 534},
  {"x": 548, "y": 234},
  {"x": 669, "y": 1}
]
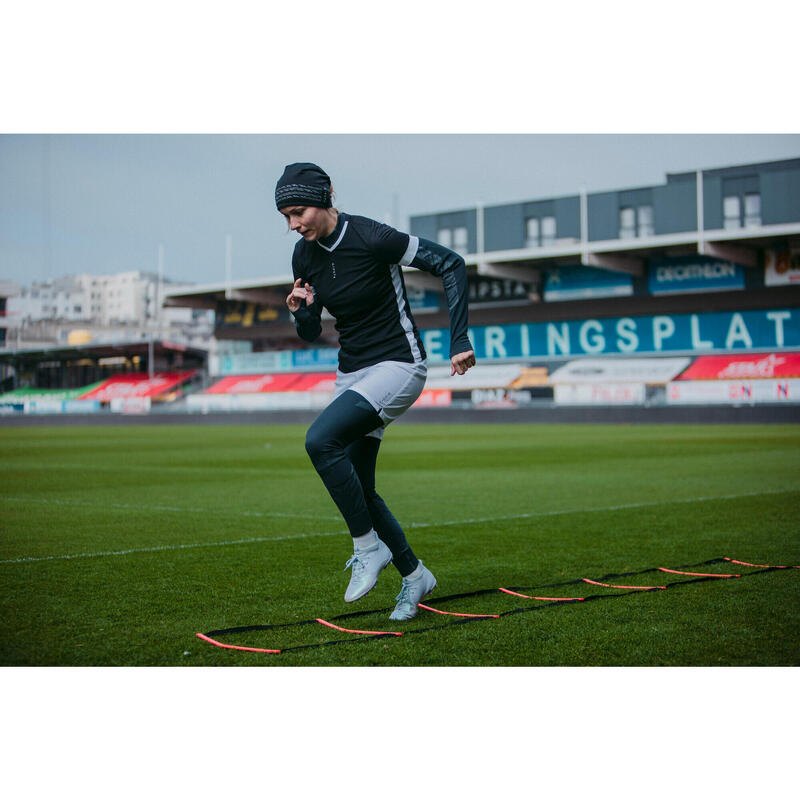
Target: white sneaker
[
  {"x": 411, "y": 593},
  {"x": 366, "y": 565}
]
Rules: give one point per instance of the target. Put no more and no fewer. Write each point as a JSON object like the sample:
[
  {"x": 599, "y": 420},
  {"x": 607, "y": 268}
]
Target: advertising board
[
  {"x": 483, "y": 290},
  {"x": 661, "y": 334},
  {"x": 279, "y": 361},
  {"x": 130, "y": 405},
  {"x": 620, "y": 370},
  {"x": 614, "y": 394},
  {"x": 698, "y": 334},
  {"x": 735, "y": 392},
  {"x": 580, "y": 283},
  {"x": 275, "y": 401},
  {"x": 694, "y": 274},
  {"x": 749, "y": 366},
  {"x": 781, "y": 268}
]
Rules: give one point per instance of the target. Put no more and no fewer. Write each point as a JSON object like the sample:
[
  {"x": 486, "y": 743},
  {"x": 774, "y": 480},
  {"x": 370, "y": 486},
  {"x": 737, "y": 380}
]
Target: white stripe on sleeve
[{"x": 411, "y": 251}]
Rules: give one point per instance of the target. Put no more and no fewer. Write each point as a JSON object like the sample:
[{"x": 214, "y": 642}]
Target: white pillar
[
  {"x": 700, "y": 221},
  {"x": 584, "y": 225}
]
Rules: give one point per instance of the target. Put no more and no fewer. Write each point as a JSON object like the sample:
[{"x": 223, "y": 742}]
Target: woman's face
[{"x": 310, "y": 222}]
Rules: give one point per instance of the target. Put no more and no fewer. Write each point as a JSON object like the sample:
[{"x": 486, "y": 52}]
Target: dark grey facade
[{"x": 764, "y": 194}]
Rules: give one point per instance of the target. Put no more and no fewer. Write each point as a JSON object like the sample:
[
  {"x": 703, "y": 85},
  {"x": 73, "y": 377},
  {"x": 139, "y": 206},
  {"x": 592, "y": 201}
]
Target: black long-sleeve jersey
[{"x": 355, "y": 273}]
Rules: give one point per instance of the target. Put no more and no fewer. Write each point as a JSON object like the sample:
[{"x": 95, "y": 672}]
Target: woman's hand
[
  {"x": 461, "y": 362},
  {"x": 299, "y": 293}
]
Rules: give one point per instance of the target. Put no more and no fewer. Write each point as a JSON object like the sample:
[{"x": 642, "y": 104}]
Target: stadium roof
[
  {"x": 32, "y": 355},
  {"x": 268, "y": 291},
  {"x": 621, "y": 255}
]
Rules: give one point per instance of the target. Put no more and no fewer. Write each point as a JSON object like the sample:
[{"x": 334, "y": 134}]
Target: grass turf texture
[{"x": 230, "y": 526}]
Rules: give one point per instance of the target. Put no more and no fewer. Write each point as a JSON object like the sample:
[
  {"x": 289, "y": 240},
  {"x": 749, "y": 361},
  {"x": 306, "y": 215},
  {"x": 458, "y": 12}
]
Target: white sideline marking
[
  {"x": 128, "y": 507},
  {"x": 626, "y": 506},
  {"x": 158, "y": 548}
]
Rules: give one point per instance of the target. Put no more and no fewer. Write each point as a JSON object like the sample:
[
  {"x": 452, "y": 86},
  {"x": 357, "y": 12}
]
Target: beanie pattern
[{"x": 296, "y": 194}]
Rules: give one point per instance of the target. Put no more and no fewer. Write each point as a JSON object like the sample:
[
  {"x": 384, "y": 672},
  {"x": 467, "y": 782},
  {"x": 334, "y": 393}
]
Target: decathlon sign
[
  {"x": 667, "y": 333},
  {"x": 694, "y": 274}
]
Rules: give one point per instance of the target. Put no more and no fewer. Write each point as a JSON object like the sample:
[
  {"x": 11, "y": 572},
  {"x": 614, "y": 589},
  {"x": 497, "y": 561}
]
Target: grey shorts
[{"x": 390, "y": 387}]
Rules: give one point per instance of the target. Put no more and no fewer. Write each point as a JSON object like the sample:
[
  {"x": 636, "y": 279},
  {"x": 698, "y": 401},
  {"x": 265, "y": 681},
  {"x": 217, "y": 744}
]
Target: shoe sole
[{"x": 356, "y": 599}]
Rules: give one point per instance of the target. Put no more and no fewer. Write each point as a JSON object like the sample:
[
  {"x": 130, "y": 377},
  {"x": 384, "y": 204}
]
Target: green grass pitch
[{"x": 119, "y": 543}]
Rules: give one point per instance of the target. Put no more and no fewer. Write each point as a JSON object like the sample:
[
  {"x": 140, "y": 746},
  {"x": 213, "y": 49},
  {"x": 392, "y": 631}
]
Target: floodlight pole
[
  {"x": 160, "y": 290},
  {"x": 151, "y": 346},
  {"x": 228, "y": 264}
]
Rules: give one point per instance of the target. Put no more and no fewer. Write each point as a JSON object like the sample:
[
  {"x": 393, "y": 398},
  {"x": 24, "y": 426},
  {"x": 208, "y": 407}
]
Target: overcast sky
[
  {"x": 99, "y": 162},
  {"x": 103, "y": 203}
]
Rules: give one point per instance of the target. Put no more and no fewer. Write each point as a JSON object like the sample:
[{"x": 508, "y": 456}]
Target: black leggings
[{"x": 345, "y": 458}]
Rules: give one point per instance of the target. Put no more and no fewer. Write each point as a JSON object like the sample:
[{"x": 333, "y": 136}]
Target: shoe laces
[
  {"x": 403, "y": 597},
  {"x": 355, "y": 562}
]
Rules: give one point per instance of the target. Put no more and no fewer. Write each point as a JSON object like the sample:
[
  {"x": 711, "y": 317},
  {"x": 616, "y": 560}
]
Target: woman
[{"x": 351, "y": 266}]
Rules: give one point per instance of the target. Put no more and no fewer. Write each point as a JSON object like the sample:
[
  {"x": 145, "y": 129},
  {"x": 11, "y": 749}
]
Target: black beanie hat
[{"x": 303, "y": 184}]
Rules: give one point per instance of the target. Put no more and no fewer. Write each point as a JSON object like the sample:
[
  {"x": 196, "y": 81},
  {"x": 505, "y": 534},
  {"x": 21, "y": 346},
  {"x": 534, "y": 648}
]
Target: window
[
  {"x": 731, "y": 210},
  {"x": 540, "y": 231},
  {"x": 460, "y": 240},
  {"x": 532, "y": 232},
  {"x": 455, "y": 238},
  {"x": 645, "y": 221},
  {"x": 548, "y": 231},
  {"x": 741, "y": 210},
  {"x": 635, "y": 221},
  {"x": 627, "y": 222},
  {"x": 752, "y": 210}
]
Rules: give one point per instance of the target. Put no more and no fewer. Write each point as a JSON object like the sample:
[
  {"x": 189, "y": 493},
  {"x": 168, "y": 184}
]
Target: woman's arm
[{"x": 450, "y": 267}]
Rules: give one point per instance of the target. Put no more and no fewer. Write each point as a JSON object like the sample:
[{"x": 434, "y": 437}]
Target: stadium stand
[
  {"x": 163, "y": 386},
  {"x": 31, "y": 394},
  {"x": 253, "y": 384},
  {"x": 684, "y": 292},
  {"x": 265, "y": 392}
]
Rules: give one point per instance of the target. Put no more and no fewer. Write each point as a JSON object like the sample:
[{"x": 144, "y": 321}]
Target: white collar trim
[{"x": 336, "y": 243}]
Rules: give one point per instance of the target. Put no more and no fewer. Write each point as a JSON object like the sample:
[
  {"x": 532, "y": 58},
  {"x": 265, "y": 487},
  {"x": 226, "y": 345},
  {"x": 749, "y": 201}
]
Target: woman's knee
[{"x": 318, "y": 443}]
